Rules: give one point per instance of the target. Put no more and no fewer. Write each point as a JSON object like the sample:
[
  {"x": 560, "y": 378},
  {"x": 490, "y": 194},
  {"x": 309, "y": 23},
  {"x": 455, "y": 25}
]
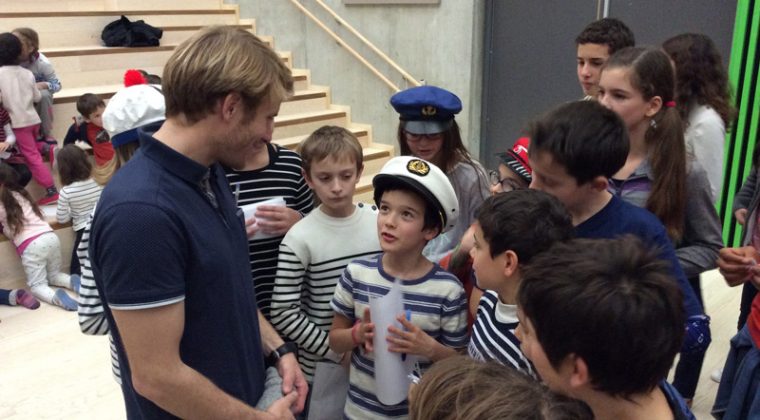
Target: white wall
[{"x": 441, "y": 44}]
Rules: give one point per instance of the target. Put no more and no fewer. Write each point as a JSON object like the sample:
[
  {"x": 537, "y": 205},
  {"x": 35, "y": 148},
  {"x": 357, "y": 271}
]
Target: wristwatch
[{"x": 279, "y": 352}]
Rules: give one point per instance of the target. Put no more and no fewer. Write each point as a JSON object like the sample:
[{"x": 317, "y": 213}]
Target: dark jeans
[
  {"x": 690, "y": 365},
  {"x": 5, "y": 297}
]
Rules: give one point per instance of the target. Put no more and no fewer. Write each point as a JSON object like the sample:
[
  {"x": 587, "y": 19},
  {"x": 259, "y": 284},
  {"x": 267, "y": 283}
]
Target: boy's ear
[
  {"x": 599, "y": 183},
  {"x": 510, "y": 263},
  {"x": 359, "y": 173},
  {"x": 430, "y": 233},
  {"x": 578, "y": 371},
  {"x": 307, "y": 178},
  {"x": 655, "y": 104}
]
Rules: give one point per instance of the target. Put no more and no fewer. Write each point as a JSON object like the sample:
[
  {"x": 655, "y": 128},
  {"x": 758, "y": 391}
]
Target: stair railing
[{"x": 409, "y": 78}]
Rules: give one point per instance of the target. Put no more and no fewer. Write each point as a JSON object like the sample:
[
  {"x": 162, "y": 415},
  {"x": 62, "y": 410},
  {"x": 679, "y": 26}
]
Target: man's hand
[
  {"x": 741, "y": 216},
  {"x": 293, "y": 382},
  {"x": 735, "y": 264},
  {"x": 276, "y": 220},
  {"x": 280, "y": 409}
]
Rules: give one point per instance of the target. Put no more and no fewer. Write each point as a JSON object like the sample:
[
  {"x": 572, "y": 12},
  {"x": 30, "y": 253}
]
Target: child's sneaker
[
  {"x": 26, "y": 299},
  {"x": 48, "y": 199},
  {"x": 65, "y": 301}
]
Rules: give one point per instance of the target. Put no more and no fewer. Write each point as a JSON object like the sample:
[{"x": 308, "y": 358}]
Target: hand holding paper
[
  {"x": 249, "y": 212},
  {"x": 411, "y": 340}
]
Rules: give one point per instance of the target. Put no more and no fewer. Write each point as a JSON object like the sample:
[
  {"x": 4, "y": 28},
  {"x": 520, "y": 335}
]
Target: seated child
[
  {"x": 602, "y": 321},
  {"x": 90, "y": 128},
  {"x": 574, "y": 150},
  {"x": 36, "y": 243},
  {"x": 510, "y": 229},
  {"x": 459, "y": 388},
  {"x": 416, "y": 203},
  {"x": 308, "y": 267},
  {"x": 78, "y": 195}
]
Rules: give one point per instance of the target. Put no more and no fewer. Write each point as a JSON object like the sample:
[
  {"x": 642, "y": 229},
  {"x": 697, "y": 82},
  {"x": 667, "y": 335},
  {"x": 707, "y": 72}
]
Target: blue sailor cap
[{"x": 426, "y": 109}]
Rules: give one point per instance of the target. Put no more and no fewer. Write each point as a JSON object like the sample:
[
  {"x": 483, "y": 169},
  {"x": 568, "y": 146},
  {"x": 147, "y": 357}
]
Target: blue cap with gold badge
[{"x": 426, "y": 109}]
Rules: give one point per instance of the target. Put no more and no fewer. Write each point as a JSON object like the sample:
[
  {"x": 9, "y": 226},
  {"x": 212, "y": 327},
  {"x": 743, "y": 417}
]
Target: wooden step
[
  {"x": 64, "y": 102},
  {"x": 55, "y": 27},
  {"x": 172, "y": 35},
  {"x": 361, "y": 132},
  {"x": 93, "y": 66},
  {"x": 27, "y": 6},
  {"x": 305, "y": 123},
  {"x": 313, "y": 99}
]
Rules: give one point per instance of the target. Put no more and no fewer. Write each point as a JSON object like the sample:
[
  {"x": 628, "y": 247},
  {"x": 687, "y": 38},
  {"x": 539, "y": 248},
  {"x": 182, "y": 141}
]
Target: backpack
[{"x": 125, "y": 33}]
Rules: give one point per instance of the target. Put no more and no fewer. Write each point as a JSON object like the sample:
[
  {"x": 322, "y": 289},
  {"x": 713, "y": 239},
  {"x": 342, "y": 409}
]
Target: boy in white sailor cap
[{"x": 416, "y": 203}]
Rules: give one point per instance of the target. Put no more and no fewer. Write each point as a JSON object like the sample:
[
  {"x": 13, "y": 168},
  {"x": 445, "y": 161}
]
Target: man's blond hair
[{"x": 217, "y": 61}]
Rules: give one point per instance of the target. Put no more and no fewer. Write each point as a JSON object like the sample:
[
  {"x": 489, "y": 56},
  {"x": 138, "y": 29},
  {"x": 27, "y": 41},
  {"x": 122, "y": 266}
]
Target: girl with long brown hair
[
  {"x": 703, "y": 98},
  {"x": 639, "y": 85}
]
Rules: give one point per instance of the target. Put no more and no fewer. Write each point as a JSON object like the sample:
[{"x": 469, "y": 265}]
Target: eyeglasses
[
  {"x": 506, "y": 184},
  {"x": 417, "y": 137}
]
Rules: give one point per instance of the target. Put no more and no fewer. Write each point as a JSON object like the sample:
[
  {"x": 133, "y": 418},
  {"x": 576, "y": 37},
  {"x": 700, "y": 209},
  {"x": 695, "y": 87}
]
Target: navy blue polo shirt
[{"x": 157, "y": 240}]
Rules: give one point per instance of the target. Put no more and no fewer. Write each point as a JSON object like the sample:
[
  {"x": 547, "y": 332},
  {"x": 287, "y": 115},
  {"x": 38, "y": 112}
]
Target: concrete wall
[{"x": 441, "y": 44}]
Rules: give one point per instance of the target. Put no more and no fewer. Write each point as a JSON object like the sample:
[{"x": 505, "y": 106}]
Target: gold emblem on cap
[
  {"x": 429, "y": 110},
  {"x": 418, "y": 167}
]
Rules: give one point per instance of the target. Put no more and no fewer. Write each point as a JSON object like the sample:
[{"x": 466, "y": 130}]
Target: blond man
[{"x": 168, "y": 245}]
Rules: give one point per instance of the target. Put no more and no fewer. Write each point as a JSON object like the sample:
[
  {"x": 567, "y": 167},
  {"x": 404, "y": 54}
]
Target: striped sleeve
[
  {"x": 63, "y": 210},
  {"x": 343, "y": 298},
  {"x": 454, "y": 319},
  {"x": 92, "y": 319},
  {"x": 287, "y": 316}
]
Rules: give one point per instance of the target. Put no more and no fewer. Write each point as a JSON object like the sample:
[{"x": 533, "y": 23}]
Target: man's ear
[
  {"x": 229, "y": 105},
  {"x": 655, "y": 104},
  {"x": 511, "y": 263}
]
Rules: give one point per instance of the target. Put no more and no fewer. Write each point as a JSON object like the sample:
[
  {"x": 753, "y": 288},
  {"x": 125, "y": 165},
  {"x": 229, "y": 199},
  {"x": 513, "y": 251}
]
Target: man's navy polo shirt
[{"x": 158, "y": 240}]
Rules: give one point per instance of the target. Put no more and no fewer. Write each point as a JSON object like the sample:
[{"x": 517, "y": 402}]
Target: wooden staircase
[{"x": 69, "y": 33}]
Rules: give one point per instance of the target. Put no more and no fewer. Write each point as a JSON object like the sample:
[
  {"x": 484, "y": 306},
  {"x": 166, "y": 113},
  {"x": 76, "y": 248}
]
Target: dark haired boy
[
  {"x": 510, "y": 229},
  {"x": 594, "y": 45},
  {"x": 90, "y": 130},
  {"x": 417, "y": 203},
  {"x": 602, "y": 321},
  {"x": 574, "y": 150}
]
